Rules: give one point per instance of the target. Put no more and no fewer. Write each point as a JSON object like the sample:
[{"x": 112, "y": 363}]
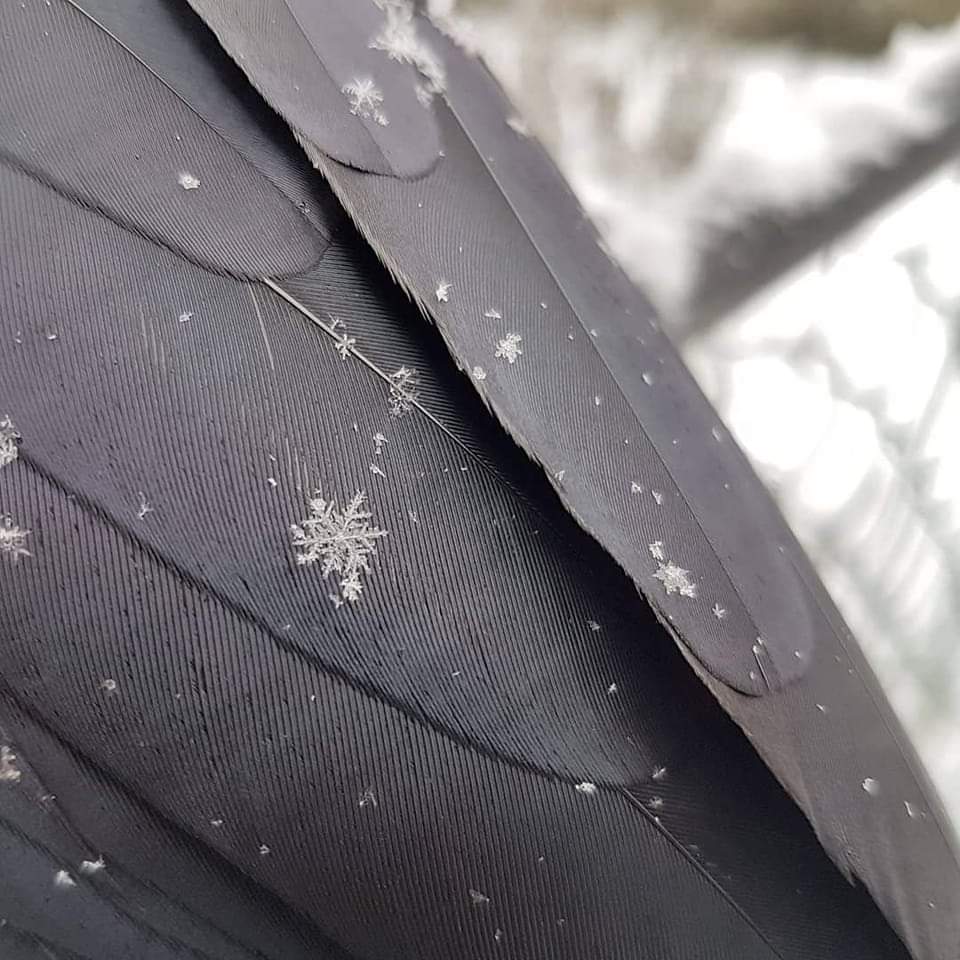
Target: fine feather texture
[{"x": 494, "y": 750}]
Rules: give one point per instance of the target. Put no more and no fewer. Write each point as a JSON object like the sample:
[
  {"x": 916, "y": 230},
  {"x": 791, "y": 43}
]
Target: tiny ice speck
[
  {"x": 587, "y": 788},
  {"x": 188, "y": 180}
]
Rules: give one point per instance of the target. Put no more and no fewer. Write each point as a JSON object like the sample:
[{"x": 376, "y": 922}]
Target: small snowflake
[
  {"x": 13, "y": 540},
  {"x": 188, "y": 181},
  {"x": 719, "y": 612},
  {"x": 8, "y": 442},
  {"x": 659, "y": 773},
  {"x": 403, "y": 391},
  {"x": 656, "y": 550},
  {"x": 587, "y": 788},
  {"x": 63, "y": 880},
  {"x": 635, "y": 487},
  {"x": 379, "y": 440},
  {"x": 509, "y": 348},
  {"x": 343, "y": 541},
  {"x": 478, "y": 899},
  {"x": 491, "y": 314},
  {"x": 90, "y": 867},
  {"x": 594, "y": 626},
  {"x": 675, "y": 579},
  {"x": 658, "y": 496},
  {"x": 144, "y": 507},
  {"x": 345, "y": 346},
  {"x": 365, "y": 98},
  {"x": 368, "y": 798},
  {"x": 613, "y": 690},
  {"x": 376, "y": 471},
  {"x": 186, "y": 316},
  {"x": 442, "y": 292},
  {"x": 479, "y": 373}
]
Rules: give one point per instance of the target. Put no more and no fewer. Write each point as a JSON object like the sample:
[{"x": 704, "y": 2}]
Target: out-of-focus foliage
[{"x": 851, "y": 26}]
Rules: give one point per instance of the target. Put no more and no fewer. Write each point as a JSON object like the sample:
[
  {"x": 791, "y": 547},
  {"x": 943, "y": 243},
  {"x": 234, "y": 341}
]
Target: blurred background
[{"x": 782, "y": 177}]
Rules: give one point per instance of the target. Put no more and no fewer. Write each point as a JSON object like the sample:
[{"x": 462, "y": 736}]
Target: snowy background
[{"x": 701, "y": 148}]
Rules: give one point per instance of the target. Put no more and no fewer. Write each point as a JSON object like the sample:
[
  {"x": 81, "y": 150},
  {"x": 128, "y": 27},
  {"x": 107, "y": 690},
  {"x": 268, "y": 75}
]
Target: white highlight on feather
[
  {"x": 342, "y": 541},
  {"x": 509, "y": 348},
  {"x": 365, "y": 99},
  {"x": 188, "y": 181}
]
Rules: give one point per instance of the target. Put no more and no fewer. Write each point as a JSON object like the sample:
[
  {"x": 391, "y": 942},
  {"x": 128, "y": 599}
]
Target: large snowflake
[
  {"x": 341, "y": 541},
  {"x": 675, "y": 579},
  {"x": 365, "y": 100}
]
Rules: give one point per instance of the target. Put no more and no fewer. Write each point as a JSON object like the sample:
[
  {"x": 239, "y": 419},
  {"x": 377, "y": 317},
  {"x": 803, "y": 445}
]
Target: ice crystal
[
  {"x": 509, "y": 348},
  {"x": 379, "y": 440},
  {"x": 479, "y": 373},
  {"x": 341, "y": 541},
  {"x": 586, "y": 787},
  {"x": 478, "y": 899},
  {"x": 368, "y": 798},
  {"x": 13, "y": 539},
  {"x": 365, "y": 98},
  {"x": 493, "y": 314},
  {"x": 443, "y": 291},
  {"x": 656, "y": 550},
  {"x": 63, "y": 880},
  {"x": 188, "y": 181},
  {"x": 90, "y": 867},
  {"x": 345, "y": 346},
  {"x": 675, "y": 579},
  {"x": 403, "y": 391},
  {"x": 8, "y": 442},
  {"x": 719, "y": 612}
]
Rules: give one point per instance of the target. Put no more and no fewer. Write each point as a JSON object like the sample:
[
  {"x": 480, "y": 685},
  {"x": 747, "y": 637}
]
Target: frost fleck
[
  {"x": 658, "y": 496},
  {"x": 188, "y": 181},
  {"x": 912, "y": 811},
  {"x": 596, "y": 401},
  {"x": 656, "y": 550},
  {"x": 442, "y": 292},
  {"x": 613, "y": 690},
  {"x": 186, "y": 316},
  {"x": 376, "y": 471},
  {"x": 8, "y": 442},
  {"x": 216, "y": 823},
  {"x": 89, "y": 867},
  {"x": 719, "y": 612},
  {"x": 379, "y": 440},
  {"x": 822, "y": 708},
  {"x": 594, "y": 626},
  {"x": 264, "y": 850},
  {"x": 478, "y": 898},
  {"x": 109, "y": 684},
  {"x": 586, "y": 788},
  {"x": 491, "y": 314},
  {"x": 635, "y": 487},
  {"x": 675, "y": 579},
  {"x": 509, "y": 348},
  {"x": 648, "y": 378},
  {"x": 144, "y": 508},
  {"x": 365, "y": 99},
  {"x": 13, "y": 540},
  {"x": 659, "y": 773},
  {"x": 63, "y": 880},
  {"x": 343, "y": 541},
  {"x": 655, "y": 803},
  {"x": 479, "y": 373},
  {"x": 8, "y": 766},
  {"x": 717, "y": 435},
  {"x": 560, "y": 474},
  {"x": 403, "y": 391},
  {"x": 368, "y": 798}
]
